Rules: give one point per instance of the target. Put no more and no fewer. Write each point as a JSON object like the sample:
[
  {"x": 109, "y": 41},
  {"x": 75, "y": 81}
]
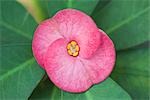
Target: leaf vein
[
  {"x": 11, "y": 27},
  {"x": 127, "y": 20},
  {"x": 15, "y": 44},
  {"x": 16, "y": 69}
]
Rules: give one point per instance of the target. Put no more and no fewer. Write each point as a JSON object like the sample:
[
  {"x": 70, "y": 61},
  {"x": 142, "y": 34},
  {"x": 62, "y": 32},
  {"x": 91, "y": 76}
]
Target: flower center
[{"x": 73, "y": 48}]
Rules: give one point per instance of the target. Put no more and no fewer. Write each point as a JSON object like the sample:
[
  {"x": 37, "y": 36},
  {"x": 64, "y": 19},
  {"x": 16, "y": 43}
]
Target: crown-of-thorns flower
[{"x": 73, "y": 51}]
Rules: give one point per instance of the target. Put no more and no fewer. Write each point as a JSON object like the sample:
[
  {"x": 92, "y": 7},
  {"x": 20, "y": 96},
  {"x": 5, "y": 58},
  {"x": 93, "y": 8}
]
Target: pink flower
[{"x": 73, "y": 51}]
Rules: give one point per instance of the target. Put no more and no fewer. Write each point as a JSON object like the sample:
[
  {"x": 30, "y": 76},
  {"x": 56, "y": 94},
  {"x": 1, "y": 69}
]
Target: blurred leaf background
[{"x": 127, "y": 22}]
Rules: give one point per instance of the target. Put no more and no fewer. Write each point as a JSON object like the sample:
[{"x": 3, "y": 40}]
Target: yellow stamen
[
  {"x": 68, "y": 46},
  {"x": 77, "y": 48},
  {"x": 73, "y": 43},
  {"x": 73, "y": 48},
  {"x": 69, "y": 52},
  {"x": 75, "y": 54}
]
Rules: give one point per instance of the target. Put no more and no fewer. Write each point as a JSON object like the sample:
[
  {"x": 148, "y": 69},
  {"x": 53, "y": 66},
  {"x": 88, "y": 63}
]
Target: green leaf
[
  {"x": 132, "y": 72},
  {"x": 35, "y": 8},
  {"x": 107, "y": 90},
  {"x": 44, "y": 90},
  {"x": 125, "y": 21},
  {"x": 19, "y": 72},
  {"x": 54, "y": 6}
]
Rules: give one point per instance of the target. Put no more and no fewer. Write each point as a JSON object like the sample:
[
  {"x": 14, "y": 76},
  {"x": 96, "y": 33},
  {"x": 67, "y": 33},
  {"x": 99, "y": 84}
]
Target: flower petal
[
  {"x": 75, "y": 25},
  {"x": 100, "y": 65},
  {"x": 44, "y": 35},
  {"x": 65, "y": 71}
]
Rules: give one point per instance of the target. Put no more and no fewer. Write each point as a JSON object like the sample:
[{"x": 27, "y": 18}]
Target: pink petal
[
  {"x": 65, "y": 71},
  {"x": 44, "y": 35},
  {"x": 74, "y": 74},
  {"x": 100, "y": 65},
  {"x": 75, "y": 25}
]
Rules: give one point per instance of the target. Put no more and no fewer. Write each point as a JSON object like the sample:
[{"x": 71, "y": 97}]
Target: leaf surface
[
  {"x": 107, "y": 90},
  {"x": 132, "y": 72},
  {"x": 35, "y": 8},
  {"x": 19, "y": 72},
  {"x": 125, "y": 21},
  {"x": 86, "y": 6}
]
